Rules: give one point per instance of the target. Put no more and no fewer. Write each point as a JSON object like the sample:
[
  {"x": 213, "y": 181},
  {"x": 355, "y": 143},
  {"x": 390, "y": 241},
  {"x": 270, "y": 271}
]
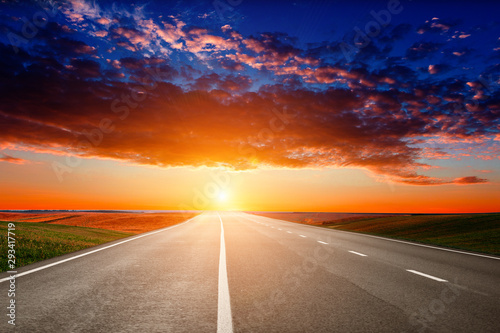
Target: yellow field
[{"x": 127, "y": 222}]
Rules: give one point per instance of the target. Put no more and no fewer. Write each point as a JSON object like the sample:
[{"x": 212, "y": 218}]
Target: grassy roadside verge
[
  {"x": 40, "y": 241},
  {"x": 472, "y": 232}
]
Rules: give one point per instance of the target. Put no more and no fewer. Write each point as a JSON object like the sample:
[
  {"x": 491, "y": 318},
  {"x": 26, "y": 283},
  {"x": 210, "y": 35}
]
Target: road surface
[{"x": 236, "y": 272}]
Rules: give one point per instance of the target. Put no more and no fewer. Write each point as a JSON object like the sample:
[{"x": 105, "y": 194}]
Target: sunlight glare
[{"x": 223, "y": 196}]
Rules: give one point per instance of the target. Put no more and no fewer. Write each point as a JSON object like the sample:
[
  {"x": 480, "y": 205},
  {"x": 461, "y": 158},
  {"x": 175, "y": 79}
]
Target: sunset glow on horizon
[{"x": 383, "y": 107}]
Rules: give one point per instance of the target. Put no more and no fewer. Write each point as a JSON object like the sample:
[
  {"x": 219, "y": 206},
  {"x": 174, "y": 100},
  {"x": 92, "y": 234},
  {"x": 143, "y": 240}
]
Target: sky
[{"x": 335, "y": 106}]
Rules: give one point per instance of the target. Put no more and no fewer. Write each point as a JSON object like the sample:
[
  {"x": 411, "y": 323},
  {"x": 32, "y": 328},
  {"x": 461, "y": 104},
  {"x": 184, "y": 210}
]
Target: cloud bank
[{"x": 124, "y": 85}]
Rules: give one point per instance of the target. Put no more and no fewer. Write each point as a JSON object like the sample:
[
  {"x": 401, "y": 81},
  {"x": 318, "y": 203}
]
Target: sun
[{"x": 222, "y": 196}]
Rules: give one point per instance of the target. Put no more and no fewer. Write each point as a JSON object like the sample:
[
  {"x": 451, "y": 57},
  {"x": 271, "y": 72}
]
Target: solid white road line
[
  {"x": 93, "y": 251},
  {"x": 302, "y": 236},
  {"x": 224, "y": 318},
  {"x": 322, "y": 242},
  {"x": 359, "y": 254},
  {"x": 426, "y": 275}
]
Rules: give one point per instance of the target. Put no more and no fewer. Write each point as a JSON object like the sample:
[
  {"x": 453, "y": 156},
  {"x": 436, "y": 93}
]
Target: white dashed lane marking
[
  {"x": 426, "y": 275},
  {"x": 359, "y": 254}
]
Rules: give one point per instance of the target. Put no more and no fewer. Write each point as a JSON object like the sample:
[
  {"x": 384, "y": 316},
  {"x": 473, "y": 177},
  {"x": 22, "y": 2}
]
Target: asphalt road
[{"x": 237, "y": 272}]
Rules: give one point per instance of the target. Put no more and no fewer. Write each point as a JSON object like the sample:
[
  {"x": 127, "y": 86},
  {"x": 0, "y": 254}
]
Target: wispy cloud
[{"x": 10, "y": 159}]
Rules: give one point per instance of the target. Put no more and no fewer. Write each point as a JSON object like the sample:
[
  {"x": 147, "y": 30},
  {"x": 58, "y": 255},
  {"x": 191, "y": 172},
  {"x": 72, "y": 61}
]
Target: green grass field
[
  {"x": 474, "y": 232},
  {"x": 40, "y": 241}
]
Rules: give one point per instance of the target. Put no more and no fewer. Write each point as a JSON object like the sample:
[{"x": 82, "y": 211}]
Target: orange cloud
[
  {"x": 469, "y": 180},
  {"x": 10, "y": 159},
  {"x": 276, "y": 127}
]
